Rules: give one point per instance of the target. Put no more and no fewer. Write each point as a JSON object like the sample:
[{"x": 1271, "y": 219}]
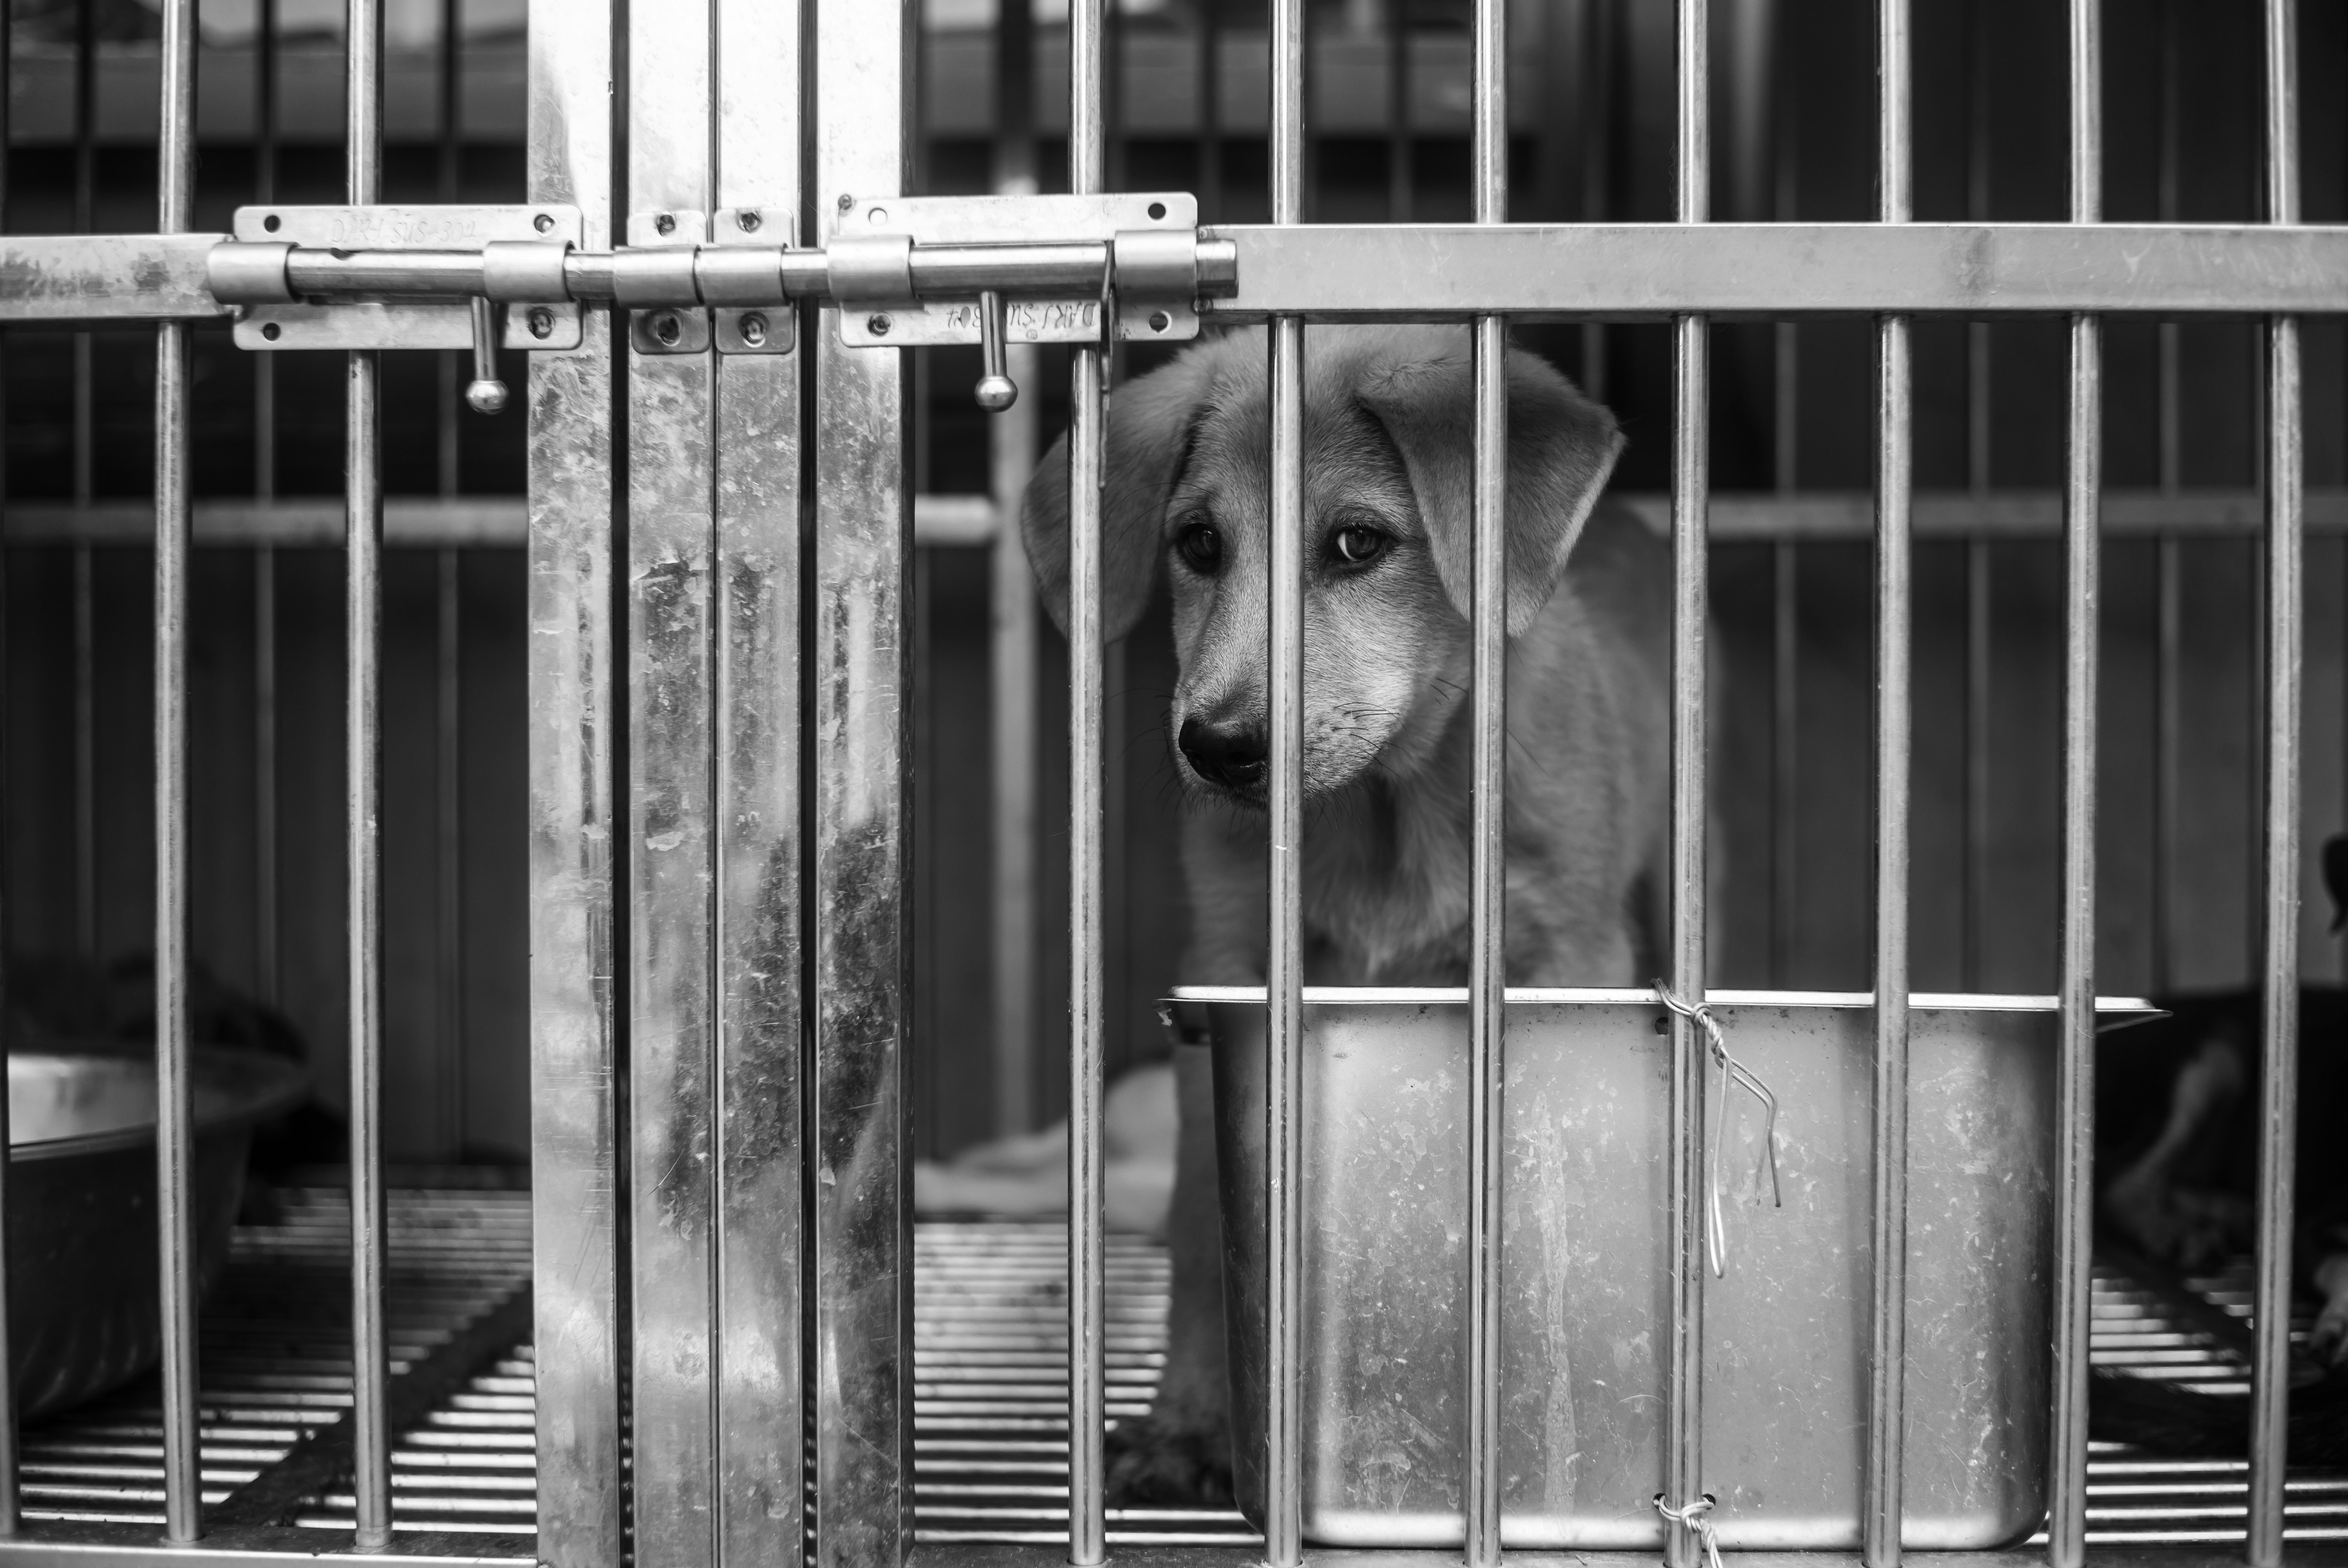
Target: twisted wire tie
[
  {"x": 1696, "y": 1518},
  {"x": 1732, "y": 1072}
]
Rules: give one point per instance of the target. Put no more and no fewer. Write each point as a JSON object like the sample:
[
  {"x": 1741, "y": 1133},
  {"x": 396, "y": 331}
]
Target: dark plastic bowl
[{"x": 83, "y": 1311}]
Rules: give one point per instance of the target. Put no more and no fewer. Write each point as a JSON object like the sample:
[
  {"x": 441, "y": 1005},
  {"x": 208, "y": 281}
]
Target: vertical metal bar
[
  {"x": 1400, "y": 173},
  {"x": 2076, "y": 983},
  {"x": 183, "y": 1496},
  {"x": 575, "y": 1060},
  {"x": 1973, "y": 882},
  {"x": 671, "y": 677},
  {"x": 2168, "y": 718},
  {"x": 1284, "y": 971},
  {"x": 449, "y": 966},
  {"x": 264, "y": 557},
  {"x": 1785, "y": 756},
  {"x": 85, "y": 750},
  {"x": 11, "y": 1495},
  {"x": 84, "y": 459},
  {"x": 1894, "y": 630},
  {"x": 1691, "y": 485},
  {"x": 2170, "y": 441},
  {"x": 1487, "y": 838},
  {"x": 362, "y": 653},
  {"x": 1784, "y": 565},
  {"x": 448, "y": 923},
  {"x": 1011, "y": 454},
  {"x": 447, "y": 374},
  {"x": 863, "y": 1498},
  {"x": 760, "y": 1426},
  {"x": 2286, "y": 477},
  {"x": 1088, "y": 813},
  {"x": 1979, "y": 604},
  {"x": 1211, "y": 111},
  {"x": 1595, "y": 85}
]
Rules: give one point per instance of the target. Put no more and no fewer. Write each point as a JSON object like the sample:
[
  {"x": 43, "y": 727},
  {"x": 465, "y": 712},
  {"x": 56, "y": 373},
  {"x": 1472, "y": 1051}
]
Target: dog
[
  {"x": 1388, "y": 467},
  {"x": 2177, "y": 1109}
]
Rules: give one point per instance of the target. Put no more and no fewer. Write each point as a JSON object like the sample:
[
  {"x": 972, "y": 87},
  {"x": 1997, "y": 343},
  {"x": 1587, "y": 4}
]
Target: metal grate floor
[
  {"x": 990, "y": 1353},
  {"x": 275, "y": 1353}
]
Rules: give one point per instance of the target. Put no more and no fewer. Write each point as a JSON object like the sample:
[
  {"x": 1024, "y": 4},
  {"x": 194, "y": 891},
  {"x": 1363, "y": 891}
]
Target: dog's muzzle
[{"x": 1232, "y": 757}]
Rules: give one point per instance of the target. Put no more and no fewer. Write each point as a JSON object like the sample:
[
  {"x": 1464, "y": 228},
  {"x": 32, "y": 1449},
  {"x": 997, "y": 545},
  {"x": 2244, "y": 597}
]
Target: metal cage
[{"x": 720, "y": 526}]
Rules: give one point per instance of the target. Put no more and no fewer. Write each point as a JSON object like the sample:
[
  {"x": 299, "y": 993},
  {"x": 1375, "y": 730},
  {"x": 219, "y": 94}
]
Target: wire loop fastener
[
  {"x": 1696, "y": 1518},
  {"x": 1732, "y": 1072}
]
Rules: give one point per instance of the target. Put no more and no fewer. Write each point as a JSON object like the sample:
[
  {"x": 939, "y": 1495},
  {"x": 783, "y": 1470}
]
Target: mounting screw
[
  {"x": 542, "y": 323},
  {"x": 543, "y": 223},
  {"x": 878, "y": 325},
  {"x": 667, "y": 328},
  {"x": 1159, "y": 321},
  {"x": 270, "y": 330},
  {"x": 747, "y": 219},
  {"x": 846, "y": 201},
  {"x": 666, "y": 223},
  {"x": 753, "y": 330}
]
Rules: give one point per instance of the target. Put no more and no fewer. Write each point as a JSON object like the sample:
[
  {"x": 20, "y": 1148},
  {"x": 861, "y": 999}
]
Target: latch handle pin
[
  {"x": 997, "y": 390},
  {"x": 486, "y": 393}
]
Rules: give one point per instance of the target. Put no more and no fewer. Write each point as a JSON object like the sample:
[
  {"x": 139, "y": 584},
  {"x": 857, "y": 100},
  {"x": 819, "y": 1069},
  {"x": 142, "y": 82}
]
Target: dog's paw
[{"x": 1152, "y": 1461}]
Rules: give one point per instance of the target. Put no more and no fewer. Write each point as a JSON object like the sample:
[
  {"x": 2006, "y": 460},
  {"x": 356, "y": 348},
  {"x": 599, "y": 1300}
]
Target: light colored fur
[{"x": 1386, "y": 752}]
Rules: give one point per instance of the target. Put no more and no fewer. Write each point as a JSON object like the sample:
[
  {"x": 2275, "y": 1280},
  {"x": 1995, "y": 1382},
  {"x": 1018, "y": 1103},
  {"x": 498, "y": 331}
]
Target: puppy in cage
[{"x": 1386, "y": 757}]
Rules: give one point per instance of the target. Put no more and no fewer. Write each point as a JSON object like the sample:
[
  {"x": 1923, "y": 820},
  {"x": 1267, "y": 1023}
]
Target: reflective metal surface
[
  {"x": 759, "y": 1423},
  {"x": 670, "y": 399},
  {"x": 362, "y": 830},
  {"x": 1420, "y": 272},
  {"x": 572, "y": 942},
  {"x": 1587, "y": 1239},
  {"x": 862, "y": 1494},
  {"x": 176, "y": 1228},
  {"x": 1885, "y": 1472},
  {"x": 2285, "y": 676}
]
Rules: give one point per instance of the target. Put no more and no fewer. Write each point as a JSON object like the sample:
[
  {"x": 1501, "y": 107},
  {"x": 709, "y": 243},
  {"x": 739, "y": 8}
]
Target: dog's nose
[{"x": 1232, "y": 757}]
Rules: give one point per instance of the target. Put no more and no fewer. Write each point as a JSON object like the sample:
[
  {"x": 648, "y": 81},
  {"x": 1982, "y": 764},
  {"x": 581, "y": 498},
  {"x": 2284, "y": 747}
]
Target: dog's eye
[
  {"x": 1202, "y": 548},
  {"x": 1357, "y": 545}
]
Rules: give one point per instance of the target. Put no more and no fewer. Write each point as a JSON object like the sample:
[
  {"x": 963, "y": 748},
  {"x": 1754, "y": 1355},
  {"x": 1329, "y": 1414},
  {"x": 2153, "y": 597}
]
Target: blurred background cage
[{"x": 1792, "y": 520}]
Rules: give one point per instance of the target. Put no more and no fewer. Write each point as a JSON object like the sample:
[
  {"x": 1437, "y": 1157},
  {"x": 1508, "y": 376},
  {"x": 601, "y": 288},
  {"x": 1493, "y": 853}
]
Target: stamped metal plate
[
  {"x": 366, "y": 323},
  {"x": 1014, "y": 219}
]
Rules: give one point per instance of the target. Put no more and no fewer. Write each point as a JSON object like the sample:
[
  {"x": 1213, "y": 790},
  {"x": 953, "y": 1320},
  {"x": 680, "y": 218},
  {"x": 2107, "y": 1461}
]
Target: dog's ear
[
  {"x": 1562, "y": 448},
  {"x": 1151, "y": 421}
]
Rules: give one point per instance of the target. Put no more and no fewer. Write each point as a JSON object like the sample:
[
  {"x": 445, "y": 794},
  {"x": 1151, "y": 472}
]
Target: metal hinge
[{"x": 904, "y": 271}]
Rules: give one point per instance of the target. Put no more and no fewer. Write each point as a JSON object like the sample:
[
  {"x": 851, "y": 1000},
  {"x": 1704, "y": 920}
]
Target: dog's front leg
[{"x": 1182, "y": 1452}]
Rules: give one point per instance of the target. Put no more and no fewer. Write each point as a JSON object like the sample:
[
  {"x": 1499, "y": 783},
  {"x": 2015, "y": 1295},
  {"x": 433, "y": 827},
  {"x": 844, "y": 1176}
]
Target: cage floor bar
[{"x": 989, "y": 1390}]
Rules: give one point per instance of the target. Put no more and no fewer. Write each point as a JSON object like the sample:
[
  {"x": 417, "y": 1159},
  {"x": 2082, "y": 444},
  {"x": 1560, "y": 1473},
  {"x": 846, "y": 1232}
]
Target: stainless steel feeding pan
[
  {"x": 83, "y": 1311},
  {"x": 1584, "y": 1232}
]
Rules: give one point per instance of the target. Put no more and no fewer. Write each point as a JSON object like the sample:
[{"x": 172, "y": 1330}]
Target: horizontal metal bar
[
  {"x": 413, "y": 522},
  {"x": 2004, "y": 513},
  {"x": 47, "y": 1545},
  {"x": 985, "y": 1555},
  {"x": 106, "y": 277},
  {"x": 1635, "y": 270}
]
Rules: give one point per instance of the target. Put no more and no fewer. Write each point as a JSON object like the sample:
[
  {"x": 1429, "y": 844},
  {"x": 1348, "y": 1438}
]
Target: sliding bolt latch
[
  {"x": 486, "y": 393},
  {"x": 997, "y": 390}
]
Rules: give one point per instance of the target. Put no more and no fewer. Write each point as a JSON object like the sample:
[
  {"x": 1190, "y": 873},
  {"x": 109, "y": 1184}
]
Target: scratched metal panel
[
  {"x": 760, "y": 1491},
  {"x": 573, "y": 1029},
  {"x": 671, "y": 682},
  {"x": 1584, "y": 1297},
  {"x": 863, "y": 1258}
]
